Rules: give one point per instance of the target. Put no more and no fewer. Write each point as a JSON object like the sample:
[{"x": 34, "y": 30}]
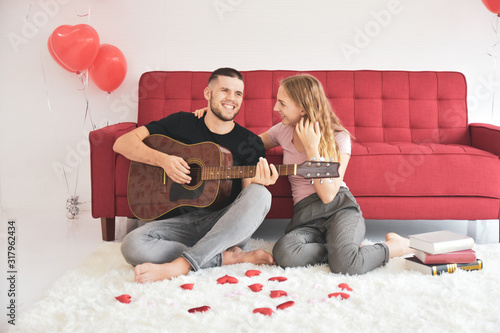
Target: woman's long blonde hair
[{"x": 307, "y": 92}]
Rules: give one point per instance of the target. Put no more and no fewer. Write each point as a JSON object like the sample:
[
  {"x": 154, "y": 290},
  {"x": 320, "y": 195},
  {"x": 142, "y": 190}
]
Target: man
[{"x": 201, "y": 238}]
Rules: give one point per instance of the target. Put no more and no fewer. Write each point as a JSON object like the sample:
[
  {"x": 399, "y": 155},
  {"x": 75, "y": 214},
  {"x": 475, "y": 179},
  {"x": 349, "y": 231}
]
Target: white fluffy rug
[{"x": 388, "y": 299}]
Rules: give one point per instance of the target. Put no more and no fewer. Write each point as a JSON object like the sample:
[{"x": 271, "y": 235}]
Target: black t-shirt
[{"x": 245, "y": 146}]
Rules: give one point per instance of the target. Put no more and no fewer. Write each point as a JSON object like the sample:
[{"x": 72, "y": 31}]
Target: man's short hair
[{"x": 225, "y": 71}]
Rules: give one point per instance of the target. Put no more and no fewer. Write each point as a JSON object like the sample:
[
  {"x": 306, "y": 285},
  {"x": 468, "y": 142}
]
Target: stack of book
[{"x": 442, "y": 252}]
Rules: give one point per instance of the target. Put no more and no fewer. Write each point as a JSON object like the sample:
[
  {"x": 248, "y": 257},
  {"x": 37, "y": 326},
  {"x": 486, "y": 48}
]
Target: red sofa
[{"x": 416, "y": 157}]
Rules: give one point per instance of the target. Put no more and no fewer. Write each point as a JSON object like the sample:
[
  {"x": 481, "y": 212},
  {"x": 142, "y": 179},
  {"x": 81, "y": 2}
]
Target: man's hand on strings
[
  {"x": 265, "y": 174},
  {"x": 177, "y": 169}
]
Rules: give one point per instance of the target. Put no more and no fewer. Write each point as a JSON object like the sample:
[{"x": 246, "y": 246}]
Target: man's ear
[{"x": 206, "y": 93}]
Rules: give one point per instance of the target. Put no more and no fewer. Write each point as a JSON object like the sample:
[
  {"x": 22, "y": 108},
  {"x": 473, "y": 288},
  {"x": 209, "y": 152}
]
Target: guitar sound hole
[{"x": 195, "y": 175}]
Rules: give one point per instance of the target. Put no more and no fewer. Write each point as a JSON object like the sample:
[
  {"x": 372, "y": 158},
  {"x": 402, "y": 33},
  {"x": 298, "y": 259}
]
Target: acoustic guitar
[{"x": 152, "y": 194}]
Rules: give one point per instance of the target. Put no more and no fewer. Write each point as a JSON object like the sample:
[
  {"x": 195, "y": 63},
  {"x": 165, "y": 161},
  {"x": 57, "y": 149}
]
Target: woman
[{"x": 327, "y": 224}]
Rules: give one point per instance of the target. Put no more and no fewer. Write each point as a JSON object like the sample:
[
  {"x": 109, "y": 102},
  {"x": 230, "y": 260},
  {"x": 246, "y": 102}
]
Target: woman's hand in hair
[{"x": 310, "y": 135}]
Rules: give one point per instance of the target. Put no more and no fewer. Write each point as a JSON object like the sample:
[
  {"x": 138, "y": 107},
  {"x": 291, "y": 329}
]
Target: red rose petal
[
  {"x": 345, "y": 286},
  {"x": 227, "y": 279},
  {"x": 285, "y": 305},
  {"x": 124, "y": 298},
  {"x": 203, "y": 308},
  {"x": 264, "y": 311},
  {"x": 252, "y": 272},
  {"x": 256, "y": 287},
  {"x": 187, "y": 286},
  {"x": 278, "y": 293},
  {"x": 278, "y": 278},
  {"x": 342, "y": 295}
]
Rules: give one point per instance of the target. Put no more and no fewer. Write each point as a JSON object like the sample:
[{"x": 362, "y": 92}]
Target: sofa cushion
[{"x": 406, "y": 169}]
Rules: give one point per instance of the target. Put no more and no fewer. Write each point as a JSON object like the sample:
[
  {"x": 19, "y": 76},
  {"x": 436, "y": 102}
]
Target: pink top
[{"x": 283, "y": 135}]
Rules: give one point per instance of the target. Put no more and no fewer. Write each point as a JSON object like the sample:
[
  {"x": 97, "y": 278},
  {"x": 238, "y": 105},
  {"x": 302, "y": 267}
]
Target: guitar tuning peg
[{"x": 312, "y": 181}]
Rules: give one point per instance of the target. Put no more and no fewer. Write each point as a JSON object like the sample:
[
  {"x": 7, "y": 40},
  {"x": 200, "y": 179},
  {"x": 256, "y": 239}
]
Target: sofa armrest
[
  {"x": 102, "y": 167},
  {"x": 485, "y": 137}
]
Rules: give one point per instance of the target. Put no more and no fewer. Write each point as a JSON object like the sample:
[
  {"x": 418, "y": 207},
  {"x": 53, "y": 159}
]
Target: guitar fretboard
[{"x": 235, "y": 172}]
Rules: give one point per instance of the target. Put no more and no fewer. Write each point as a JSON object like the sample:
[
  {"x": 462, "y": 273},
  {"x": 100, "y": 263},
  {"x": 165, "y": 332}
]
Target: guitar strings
[{"x": 232, "y": 172}]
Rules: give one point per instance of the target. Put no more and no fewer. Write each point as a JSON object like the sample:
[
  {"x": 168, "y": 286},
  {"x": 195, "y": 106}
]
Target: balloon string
[
  {"x": 29, "y": 11},
  {"x": 85, "y": 15},
  {"x": 52, "y": 116},
  {"x": 84, "y": 80},
  {"x": 494, "y": 69},
  {"x": 77, "y": 174},
  {"x": 49, "y": 106},
  {"x": 109, "y": 109},
  {"x": 44, "y": 75}
]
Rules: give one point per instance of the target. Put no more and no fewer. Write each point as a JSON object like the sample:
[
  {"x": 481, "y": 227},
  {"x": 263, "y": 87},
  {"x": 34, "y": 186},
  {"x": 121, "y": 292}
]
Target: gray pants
[
  {"x": 329, "y": 233},
  {"x": 199, "y": 236}
]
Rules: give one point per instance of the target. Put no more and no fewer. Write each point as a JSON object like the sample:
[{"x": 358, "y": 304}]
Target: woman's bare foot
[
  {"x": 235, "y": 255},
  {"x": 155, "y": 272},
  {"x": 398, "y": 246}
]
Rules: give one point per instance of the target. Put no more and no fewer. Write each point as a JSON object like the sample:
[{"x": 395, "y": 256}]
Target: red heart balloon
[
  {"x": 264, "y": 311},
  {"x": 278, "y": 293},
  {"x": 278, "y": 278},
  {"x": 53, "y": 55},
  {"x": 256, "y": 287},
  {"x": 341, "y": 295},
  {"x": 109, "y": 68},
  {"x": 76, "y": 46},
  {"x": 187, "y": 286},
  {"x": 285, "y": 305},
  {"x": 124, "y": 298},
  {"x": 493, "y": 6},
  {"x": 252, "y": 272},
  {"x": 203, "y": 308},
  {"x": 227, "y": 279}
]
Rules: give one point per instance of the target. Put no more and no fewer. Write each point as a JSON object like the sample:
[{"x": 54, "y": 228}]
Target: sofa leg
[{"x": 108, "y": 228}]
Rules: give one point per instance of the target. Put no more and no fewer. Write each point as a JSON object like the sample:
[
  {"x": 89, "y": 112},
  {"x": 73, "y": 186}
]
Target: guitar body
[{"x": 152, "y": 194}]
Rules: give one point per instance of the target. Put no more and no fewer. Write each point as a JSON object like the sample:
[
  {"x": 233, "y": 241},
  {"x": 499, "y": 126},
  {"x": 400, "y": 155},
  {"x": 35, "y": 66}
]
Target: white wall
[{"x": 35, "y": 140}]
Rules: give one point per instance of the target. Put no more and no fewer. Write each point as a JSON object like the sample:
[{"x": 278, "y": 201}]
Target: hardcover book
[
  {"x": 414, "y": 264},
  {"x": 455, "y": 257},
  {"x": 443, "y": 241}
]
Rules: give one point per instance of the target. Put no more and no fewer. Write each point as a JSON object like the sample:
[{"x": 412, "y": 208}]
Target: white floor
[{"x": 48, "y": 244}]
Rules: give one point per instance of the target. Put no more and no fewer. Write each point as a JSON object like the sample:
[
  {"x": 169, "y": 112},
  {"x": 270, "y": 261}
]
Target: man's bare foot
[
  {"x": 398, "y": 246},
  {"x": 155, "y": 272},
  {"x": 235, "y": 255}
]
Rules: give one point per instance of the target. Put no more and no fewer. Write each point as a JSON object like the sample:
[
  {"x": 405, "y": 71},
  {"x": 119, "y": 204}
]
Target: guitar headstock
[{"x": 315, "y": 169}]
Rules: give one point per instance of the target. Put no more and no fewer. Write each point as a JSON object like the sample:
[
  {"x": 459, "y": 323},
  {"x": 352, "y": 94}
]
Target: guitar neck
[{"x": 236, "y": 172}]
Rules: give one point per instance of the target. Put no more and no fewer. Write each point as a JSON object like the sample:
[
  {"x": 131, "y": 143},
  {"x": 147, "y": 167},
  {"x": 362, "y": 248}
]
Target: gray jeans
[
  {"x": 199, "y": 236},
  {"x": 329, "y": 233}
]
